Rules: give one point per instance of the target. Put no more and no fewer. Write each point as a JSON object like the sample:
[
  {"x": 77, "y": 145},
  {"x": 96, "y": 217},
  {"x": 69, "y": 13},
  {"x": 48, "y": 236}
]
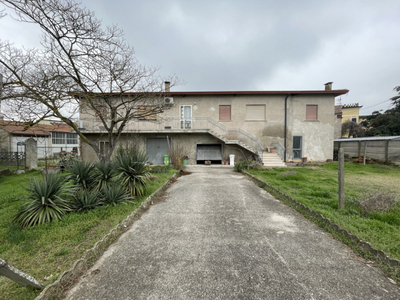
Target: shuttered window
[
  {"x": 255, "y": 112},
  {"x": 224, "y": 112},
  {"x": 147, "y": 112},
  {"x": 312, "y": 112}
]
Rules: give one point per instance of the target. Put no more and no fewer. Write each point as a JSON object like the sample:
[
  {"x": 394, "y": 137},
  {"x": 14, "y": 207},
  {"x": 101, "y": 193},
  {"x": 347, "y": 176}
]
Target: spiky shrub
[
  {"x": 242, "y": 165},
  {"x": 84, "y": 200},
  {"x": 47, "y": 201},
  {"x": 132, "y": 171},
  {"x": 104, "y": 175},
  {"x": 114, "y": 194},
  {"x": 65, "y": 162},
  {"x": 82, "y": 175}
]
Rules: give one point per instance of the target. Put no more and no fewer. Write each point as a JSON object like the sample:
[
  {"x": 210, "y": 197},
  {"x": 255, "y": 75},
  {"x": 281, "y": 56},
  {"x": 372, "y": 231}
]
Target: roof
[
  {"x": 18, "y": 128},
  {"x": 236, "y": 93},
  {"x": 352, "y": 105},
  {"x": 370, "y": 138}
]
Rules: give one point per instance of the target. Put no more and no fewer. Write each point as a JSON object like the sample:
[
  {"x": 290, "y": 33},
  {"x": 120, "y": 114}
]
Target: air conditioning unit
[{"x": 168, "y": 100}]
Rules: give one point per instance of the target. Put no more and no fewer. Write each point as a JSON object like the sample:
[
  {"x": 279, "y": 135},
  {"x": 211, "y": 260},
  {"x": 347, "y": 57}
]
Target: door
[
  {"x": 156, "y": 148},
  {"x": 212, "y": 152},
  {"x": 297, "y": 147},
  {"x": 186, "y": 116}
]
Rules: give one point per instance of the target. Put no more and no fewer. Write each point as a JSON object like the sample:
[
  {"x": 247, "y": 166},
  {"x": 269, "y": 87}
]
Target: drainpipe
[{"x": 285, "y": 135}]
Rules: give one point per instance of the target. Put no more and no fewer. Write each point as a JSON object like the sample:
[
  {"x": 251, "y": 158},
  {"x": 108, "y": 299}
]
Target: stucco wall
[
  {"x": 188, "y": 140},
  {"x": 317, "y": 135}
]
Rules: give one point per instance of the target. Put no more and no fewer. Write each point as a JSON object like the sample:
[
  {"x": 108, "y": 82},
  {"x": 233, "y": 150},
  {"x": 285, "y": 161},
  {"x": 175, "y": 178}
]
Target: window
[
  {"x": 64, "y": 138},
  {"x": 72, "y": 138},
  {"x": 312, "y": 112},
  {"x": 297, "y": 147},
  {"x": 147, "y": 112},
  {"x": 58, "y": 137},
  {"x": 186, "y": 116},
  {"x": 103, "y": 110},
  {"x": 224, "y": 112},
  {"x": 255, "y": 112},
  {"x": 354, "y": 120}
]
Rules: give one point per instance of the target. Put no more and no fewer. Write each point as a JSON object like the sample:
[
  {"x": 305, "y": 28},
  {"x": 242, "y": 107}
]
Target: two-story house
[{"x": 211, "y": 125}]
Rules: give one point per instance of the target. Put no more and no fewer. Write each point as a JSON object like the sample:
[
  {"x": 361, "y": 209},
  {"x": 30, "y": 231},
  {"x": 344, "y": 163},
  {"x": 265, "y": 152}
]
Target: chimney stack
[
  {"x": 328, "y": 86},
  {"x": 167, "y": 86}
]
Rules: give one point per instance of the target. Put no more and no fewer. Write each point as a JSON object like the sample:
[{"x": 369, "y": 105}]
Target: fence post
[
  {"x": 341, "y": 178},
  {"x": 31, "y": 158}
]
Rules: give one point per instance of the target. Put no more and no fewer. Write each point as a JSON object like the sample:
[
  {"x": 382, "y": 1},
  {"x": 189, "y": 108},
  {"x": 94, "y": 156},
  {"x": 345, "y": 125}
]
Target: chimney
[
  {"x": 167, "y": 86},
  {"x": 328, "y": 86}
]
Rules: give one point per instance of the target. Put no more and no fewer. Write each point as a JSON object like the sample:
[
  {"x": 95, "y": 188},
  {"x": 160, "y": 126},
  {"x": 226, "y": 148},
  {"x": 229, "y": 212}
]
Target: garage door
[
  {"x": 156, "y": 148},
  {"x": 209, "y": 152}
]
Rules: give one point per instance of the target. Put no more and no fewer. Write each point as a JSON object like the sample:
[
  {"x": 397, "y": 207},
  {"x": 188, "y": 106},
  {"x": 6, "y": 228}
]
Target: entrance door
[
  {"x": 297, "y": 147},
  {"x": 186, "y": 117},
  {"x": 156, "y": 148}
]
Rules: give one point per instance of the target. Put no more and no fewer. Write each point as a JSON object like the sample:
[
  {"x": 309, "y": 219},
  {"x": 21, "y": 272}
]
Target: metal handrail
[{"x": 280, "y": 149}]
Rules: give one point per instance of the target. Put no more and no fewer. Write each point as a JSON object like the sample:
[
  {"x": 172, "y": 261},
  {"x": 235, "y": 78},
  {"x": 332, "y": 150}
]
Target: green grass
[
  {"x": 317, "y": 188},
  {"x": 52, "y": 248}
]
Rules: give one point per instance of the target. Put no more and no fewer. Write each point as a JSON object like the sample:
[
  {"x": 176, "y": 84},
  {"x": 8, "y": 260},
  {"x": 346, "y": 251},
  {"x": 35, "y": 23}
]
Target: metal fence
[{"x": 12, "y": 159}]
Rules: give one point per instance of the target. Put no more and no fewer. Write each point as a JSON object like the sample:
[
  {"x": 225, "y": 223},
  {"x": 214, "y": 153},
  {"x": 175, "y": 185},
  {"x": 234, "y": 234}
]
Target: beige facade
[
  {"x": 256, "y": 123},
  {"x": 351, "y": 112}
]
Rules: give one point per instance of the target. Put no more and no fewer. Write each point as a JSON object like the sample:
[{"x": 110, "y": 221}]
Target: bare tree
[
  {"x": 352, "y": 129},
  {"x": 80, "y": 66}
]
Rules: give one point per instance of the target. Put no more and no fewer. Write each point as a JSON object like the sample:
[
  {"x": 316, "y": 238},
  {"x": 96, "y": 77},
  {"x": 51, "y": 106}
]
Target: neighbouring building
[
  {"x": 351, "y": 112},
  {"x": 211, "y": 125},
  {"x": 52, "y": 137}
]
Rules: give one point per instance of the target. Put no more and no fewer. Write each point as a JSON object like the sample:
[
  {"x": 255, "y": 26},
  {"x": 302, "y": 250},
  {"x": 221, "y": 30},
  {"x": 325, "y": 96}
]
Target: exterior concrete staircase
[
  {"x": 272, "y": 160},
  {"x": 235, "y": 142}
]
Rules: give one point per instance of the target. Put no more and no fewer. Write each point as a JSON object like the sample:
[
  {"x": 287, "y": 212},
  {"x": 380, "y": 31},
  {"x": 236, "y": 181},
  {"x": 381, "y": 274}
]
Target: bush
[
  {"x": 132, "y": 171},
  {"x": 240, "y": 166},
  {"x": 46, "y": 203},
  {"x": 67, "y": 161},
  {"x": 104, "y": 175},
  {"x": 82, "y": 175},
  {"x": 376, "y": 201},
  {"x": 84, "y": 200},
  {"x": 114, "y": 194},
  {"x": 160, "y": 169}
]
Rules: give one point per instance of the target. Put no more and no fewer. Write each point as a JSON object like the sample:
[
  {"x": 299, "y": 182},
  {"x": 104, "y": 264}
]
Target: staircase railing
[{"x": 280, "y": 150}]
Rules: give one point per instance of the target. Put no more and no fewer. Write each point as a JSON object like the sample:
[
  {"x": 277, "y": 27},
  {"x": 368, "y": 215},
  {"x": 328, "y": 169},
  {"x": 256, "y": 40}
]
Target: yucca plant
[
  {"x": 104, "y": 175},
  {"x": 132, "y": 172},
  {"x": 81, "y": 174},
  {"x": 84, "y": 200},
  {"x": 114, "y": 194},
  {"x": 47, "y": 201}
]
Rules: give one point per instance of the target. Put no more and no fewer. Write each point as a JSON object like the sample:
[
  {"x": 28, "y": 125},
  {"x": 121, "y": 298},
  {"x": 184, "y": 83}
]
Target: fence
[
  {"x": 13, "y": 159},
  {"x": 382, "y": 150}
]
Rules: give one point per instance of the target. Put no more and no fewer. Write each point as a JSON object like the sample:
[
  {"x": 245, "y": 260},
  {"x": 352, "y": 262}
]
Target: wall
[
  {"x": 349, "y": 113},
  {"x": 43, "y": 144},
  {"x": 375, "y": 149},
  {"x": 317, "y": 135},
  {"x": 188, "y": 140},
  {"x": 4, "y": 141}
]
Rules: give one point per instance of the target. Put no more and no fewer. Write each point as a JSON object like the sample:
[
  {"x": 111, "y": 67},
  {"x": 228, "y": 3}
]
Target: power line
[{"x": 375, "y": 104}]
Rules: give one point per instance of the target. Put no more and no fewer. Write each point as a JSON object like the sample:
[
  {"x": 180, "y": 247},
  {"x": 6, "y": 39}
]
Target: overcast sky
[{"x": 259, "y": 45}]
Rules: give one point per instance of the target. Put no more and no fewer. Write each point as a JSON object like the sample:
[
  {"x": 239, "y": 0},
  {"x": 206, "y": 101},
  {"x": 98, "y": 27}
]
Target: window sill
[
  {"x": 225, "y": 121},
  {"x": 311, "y": 120}
]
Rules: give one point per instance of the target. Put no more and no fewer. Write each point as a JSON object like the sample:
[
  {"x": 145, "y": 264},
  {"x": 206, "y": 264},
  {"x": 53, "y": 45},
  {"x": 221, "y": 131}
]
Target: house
[
  {"x": 52, "y": 137},
  {"x": 211, "y": 125},
  {"x": 351, "y": 112}
]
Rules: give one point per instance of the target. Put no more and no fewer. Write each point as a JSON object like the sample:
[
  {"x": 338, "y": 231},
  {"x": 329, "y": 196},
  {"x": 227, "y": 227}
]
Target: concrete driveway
[{"x": 219, "y": 236}]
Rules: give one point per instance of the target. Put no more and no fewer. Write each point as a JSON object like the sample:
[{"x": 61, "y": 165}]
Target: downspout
[{"x": 285, "y": 135}]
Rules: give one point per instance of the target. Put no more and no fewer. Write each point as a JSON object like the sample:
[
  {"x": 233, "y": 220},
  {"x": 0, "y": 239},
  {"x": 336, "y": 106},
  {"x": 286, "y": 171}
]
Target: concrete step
[{"x": 272, "y": 160}]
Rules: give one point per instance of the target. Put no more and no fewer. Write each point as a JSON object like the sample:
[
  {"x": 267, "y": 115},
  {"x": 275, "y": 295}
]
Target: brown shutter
[
  {"x": 255, "y": 112},
  {"x": 312, "y": 112},
  {"x": 224, "y": 112}
]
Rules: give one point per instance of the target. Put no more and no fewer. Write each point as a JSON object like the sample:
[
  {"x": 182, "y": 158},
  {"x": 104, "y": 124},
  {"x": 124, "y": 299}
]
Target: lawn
[
  {"x": 317, "y": 188},
  {"x": 50, "y": 249}
]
